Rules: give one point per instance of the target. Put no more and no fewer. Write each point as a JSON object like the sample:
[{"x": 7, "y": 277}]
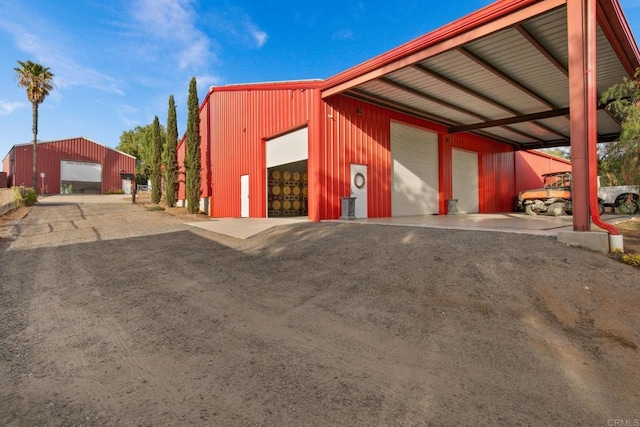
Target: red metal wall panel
[
  {"x": 78, "y": 149},
  {"x": 240, "y": 121},
  {"x": 342, "y": 131},
  {"x": 357, "y": 132},
  {"x": 531, "y": 164}
]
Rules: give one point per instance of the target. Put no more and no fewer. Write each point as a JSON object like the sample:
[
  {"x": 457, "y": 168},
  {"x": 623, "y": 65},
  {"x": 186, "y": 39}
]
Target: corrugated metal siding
[
  {"x": 365, "y": 138},
  {"x": 341, "y": 132},
  {"x": 531, "y": 164},
  {"x": 358, "y": 132},
  {"x": 240, "y": 121},
  {"x": 79, "y": 149}
]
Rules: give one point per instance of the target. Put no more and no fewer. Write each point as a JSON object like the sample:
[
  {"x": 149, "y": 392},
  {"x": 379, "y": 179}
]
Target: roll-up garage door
[
  {"x": 80, "y": 177},
  {"x": 465, "y": 180},
  {"x": 414, "y": 154},
  {"x": 289, "y": 148}
]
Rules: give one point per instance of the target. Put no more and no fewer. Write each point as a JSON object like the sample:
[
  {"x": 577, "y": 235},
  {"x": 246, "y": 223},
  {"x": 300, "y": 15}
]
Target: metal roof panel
[
  {"x": 433, "y": 87},
  {"x": 511, "y": 53},
  {"x": 455, "y": 66}
]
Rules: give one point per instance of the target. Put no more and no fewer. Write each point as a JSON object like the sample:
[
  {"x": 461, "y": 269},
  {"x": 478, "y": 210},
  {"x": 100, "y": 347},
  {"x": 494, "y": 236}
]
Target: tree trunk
[{"x": 34, "y": 108}]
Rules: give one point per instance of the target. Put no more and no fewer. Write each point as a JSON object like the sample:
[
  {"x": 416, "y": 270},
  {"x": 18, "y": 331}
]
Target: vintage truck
[
  {"x": 623, "y": 197},
  {"x": 555, "y": 197}
]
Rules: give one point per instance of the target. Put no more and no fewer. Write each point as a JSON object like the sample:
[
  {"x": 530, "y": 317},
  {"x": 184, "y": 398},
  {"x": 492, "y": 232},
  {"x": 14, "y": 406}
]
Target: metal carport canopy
[
  {"x": 501, "y": 72},
  {"x": 524, "y": 72}
]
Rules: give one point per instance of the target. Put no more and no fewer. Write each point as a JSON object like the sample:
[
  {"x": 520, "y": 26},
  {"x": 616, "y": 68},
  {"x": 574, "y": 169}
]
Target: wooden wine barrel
[
  {"x": 305, "y": 177},
  {"x": 286, "y": 190},
  {"x": 296, "y": 176},
  {"x": 286, "y": 175},
  {"x": 276, "y": 205},
  {"x": 276, "y": 190},
  {"x": 296, "y": 191},
  {"x": 296, "y": 204},
  {"x": 275, "y": 174},
  {"x": 304, "y": 191},
  {"x": 286, "y": 205}
]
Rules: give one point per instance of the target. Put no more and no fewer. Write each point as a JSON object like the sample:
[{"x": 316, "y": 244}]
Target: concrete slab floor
[
  {"x": 521, "y": 223},
  {"x": 243, "y": 228}
]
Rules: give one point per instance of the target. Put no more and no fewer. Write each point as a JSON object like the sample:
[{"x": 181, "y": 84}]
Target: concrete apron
[
  {"x": 560, "y": 227},
  {"x": 243, "y": 228}
]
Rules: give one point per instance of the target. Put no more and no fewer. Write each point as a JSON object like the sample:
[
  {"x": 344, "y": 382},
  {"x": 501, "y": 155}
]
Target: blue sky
[{"x": 116, "y": 62}]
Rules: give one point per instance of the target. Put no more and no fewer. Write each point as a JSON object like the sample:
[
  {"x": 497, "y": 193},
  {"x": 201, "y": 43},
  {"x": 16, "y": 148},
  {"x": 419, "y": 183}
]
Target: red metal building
[
  {"x": 443, "y": 117},
  {"x": 532, "y": 164},
  {"x": 76, "y": 165}
]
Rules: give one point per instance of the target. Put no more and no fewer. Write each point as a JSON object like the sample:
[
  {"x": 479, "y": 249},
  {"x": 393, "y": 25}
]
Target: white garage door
[
  {"x": 465, "y": 180},
  {"x": 414, "y": 154},
  {"x": 289, "y": 148},
  {"x": 80, "y": 177},
  {"x": 80, "y": 171}
]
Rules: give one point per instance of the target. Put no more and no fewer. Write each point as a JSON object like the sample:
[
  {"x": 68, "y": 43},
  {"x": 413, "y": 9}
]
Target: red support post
[{"x": 580, "y": 116}]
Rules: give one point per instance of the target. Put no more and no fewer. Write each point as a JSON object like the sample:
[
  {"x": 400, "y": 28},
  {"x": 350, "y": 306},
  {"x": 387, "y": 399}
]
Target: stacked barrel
[{"x": 287, "y": 193}]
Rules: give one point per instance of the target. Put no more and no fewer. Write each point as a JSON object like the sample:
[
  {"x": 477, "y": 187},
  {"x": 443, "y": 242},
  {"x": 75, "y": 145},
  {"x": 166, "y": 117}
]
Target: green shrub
[
  {"x": 630, "y": 259},
  {"x": 121, "y": 191},
  {"x": 25, "y": 196},
  {"x": 154, "y": 208}
]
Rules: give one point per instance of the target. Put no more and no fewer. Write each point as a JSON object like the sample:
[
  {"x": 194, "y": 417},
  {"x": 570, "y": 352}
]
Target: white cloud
[
  {"x": 259, "y": 36},
  {"x": 9, "y": 107},
  {"x": 235, "y": 25},
  {"x": 344, "y": 34},
  {"x": 207, "y": 81},
  {"x": 173, "y": 23},
  {"x": 128, "y": 115},
  {"x": 67, "y": 71}
]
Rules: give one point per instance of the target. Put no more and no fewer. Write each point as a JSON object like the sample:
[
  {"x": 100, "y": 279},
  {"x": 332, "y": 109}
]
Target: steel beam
[{"x": 583, "y": 112}]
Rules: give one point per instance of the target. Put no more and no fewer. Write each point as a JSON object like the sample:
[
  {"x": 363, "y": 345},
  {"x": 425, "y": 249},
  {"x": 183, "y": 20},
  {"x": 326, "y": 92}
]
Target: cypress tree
[
  {"x": 192, "y": 148},
  {"x": 170, "y": 156},
  {"x": 156, "y": 162}
]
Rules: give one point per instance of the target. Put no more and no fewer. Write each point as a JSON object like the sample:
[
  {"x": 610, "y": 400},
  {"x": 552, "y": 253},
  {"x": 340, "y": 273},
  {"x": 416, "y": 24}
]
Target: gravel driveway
[{"x": 112, "y": 315}]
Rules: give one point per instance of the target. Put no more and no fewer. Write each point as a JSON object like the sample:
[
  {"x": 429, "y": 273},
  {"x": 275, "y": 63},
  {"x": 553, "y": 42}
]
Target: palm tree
[{"x": 38, "y": 81}]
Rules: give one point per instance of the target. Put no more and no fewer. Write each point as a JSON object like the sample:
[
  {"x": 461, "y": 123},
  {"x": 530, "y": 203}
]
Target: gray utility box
[
  {"x": 348, "y": 208},
  {"x": 452, "y": 206}
]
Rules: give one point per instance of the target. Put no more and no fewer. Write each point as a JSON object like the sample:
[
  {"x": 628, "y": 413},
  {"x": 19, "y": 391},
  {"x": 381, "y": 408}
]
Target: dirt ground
[{"x": 113, "y": 315}]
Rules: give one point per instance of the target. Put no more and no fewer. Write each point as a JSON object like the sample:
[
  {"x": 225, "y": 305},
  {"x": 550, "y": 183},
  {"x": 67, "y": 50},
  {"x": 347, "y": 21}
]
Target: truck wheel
[
  {"x": 556, "y": 209},
  {"x": 628, "y": 208},
  {"x": 528, "y": 209}
]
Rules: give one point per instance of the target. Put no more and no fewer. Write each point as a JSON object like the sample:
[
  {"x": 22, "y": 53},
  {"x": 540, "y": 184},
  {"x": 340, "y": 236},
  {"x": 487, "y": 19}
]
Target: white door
[
  {"x": 465, "y": 180},
  {"x": 244, "y": 196},
  {"x": 126, "y": 186},
  {"x": 414, "y": 169},
  {"x": 359, "y": 189}
]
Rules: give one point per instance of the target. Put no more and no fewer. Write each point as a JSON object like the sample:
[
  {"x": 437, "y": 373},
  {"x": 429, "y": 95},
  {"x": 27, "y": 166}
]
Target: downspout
[{"x": 615, "y": 239}]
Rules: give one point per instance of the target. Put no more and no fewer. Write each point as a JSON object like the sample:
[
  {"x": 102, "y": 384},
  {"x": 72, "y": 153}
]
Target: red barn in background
[{"x": 76, "y": 165}]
